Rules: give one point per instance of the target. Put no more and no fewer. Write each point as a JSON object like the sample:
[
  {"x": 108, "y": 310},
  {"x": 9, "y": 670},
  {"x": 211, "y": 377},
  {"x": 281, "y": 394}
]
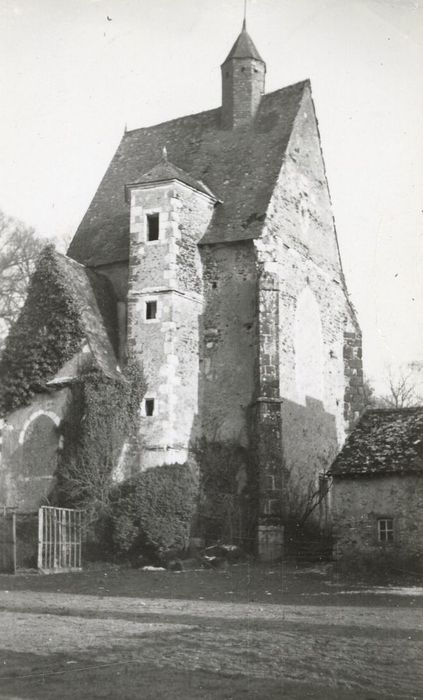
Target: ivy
[
  {"x": 45, "y": 336},
  {"x": 100, "y": 429}
]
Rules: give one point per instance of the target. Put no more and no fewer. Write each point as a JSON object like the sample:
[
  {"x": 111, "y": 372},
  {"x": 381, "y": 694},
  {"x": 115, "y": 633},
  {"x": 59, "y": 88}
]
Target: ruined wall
[
  {"x": 228, "y": 341},
  {"x": 30, "y": 444},
  {"x": 359, "y": 503},
  {"x": 299, "y": 245},
  {"x": 168, "y": 272}
]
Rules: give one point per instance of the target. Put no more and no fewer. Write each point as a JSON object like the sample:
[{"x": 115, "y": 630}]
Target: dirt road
[{"x": 57, "y": 644}]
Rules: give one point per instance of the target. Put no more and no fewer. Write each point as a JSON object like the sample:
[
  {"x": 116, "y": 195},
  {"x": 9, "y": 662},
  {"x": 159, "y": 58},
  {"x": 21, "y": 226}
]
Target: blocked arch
[{"x": 50, "y": 414}]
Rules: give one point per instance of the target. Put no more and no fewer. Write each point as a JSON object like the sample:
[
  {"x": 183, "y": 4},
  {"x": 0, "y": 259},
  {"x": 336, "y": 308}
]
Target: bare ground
[{"x": 249, "y": 632}]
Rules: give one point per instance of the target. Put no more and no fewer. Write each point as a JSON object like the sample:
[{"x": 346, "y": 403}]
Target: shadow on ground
[{"x": 30, "y": 676}]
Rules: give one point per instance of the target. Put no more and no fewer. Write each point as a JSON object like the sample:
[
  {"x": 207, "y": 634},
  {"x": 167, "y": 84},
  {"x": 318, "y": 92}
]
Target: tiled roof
[
  {"x": 239, "y": 168},
  {"x": 244, "y": 47},
  {"x": 385, "y": 441},
  {"x": 165, "y": 171},
  {"x": 94, "y": 297}
]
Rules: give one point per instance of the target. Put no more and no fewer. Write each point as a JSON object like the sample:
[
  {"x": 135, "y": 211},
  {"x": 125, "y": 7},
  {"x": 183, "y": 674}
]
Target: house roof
[
  {"x": 385, "y": 441},
  {"x": 94, "y": 298},
  {"x": 243, "y": 47},
  {"x": 166, "y": 171},
  {"x": 241, "y": 172}
]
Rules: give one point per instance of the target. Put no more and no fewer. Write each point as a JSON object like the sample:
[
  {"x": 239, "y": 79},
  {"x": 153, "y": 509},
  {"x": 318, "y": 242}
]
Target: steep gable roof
[
  {"x": 239, "y": 167},
  {"x": 94, "y": 297},
  {"x": 385, "y": 441}
]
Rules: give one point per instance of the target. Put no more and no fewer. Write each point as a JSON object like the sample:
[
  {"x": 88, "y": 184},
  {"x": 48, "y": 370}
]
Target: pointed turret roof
[
  {"x": 244, "y": 47},
  {"x": 166, "y": 171}
]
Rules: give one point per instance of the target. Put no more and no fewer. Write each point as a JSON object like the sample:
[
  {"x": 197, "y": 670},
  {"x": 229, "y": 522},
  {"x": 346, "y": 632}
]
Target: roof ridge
[
  {"x": 169, "y": 121},
  {"x": 305, "y": 81}
]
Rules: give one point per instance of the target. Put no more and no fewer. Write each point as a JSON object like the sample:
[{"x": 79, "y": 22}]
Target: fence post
[
  {"x": 14, "y": 542},
  {"x": 40, "y": 538}
]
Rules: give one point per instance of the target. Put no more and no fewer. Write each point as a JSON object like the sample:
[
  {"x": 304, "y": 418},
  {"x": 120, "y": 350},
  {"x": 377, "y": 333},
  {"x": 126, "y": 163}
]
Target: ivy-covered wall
[{"x": 46, "y": 335}]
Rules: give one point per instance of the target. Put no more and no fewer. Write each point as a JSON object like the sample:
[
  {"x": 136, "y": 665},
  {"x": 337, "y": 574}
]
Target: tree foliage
[{"x": 19, "y": 249}]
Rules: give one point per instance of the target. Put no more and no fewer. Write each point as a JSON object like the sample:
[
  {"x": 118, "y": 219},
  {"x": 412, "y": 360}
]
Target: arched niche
[
  {"x": 39, "y": 444},
  {"x": 309, "y": 348}
]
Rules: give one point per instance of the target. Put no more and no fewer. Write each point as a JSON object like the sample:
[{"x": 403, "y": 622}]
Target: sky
[{"x": 75, "y": 72}]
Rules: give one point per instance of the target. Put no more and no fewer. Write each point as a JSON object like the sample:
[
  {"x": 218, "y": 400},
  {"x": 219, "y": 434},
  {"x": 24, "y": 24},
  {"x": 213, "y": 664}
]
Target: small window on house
[
  {"x": 150, "y": 310},
  {"x": 385, "y": 530},
  {"x": 149, "y": 407},
  {"x": 152, "y": 227}
]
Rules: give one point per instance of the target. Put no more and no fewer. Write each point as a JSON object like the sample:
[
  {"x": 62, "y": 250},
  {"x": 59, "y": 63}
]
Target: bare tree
[
  {"x": 402, "y": 392},
  {"x": 19, "y": 248}
]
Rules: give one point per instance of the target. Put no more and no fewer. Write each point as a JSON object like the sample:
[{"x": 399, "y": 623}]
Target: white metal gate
[{"x": 59, "y": 539}]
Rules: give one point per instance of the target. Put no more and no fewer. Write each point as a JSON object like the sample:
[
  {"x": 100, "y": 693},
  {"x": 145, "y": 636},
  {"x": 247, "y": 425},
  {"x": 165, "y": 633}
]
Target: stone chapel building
[{"x": 216, "y": 234}]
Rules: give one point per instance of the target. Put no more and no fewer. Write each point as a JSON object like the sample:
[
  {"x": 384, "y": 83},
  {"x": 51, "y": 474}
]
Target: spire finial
[
  {"x": 164, "y": 154},
  {"x": 244, "y": 22}
]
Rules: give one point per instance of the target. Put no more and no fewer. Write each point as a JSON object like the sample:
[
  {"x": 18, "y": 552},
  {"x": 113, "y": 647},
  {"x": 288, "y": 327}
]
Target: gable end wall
[{"x": 299, "y": 249}]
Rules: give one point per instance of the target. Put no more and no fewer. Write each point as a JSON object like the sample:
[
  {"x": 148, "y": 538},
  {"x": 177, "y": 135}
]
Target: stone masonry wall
[
  {"x": 228, "y": 341},
  {"x": 357, "y": 505},
  {"x": 167, "y": 271},
  {"x": 299, "y": 244},
  {"x": 31, "y": 440},
  {"x": 267, "y": 422},
  {"x": 353, "y": 368},
  {"x": 242, "y": 89}
]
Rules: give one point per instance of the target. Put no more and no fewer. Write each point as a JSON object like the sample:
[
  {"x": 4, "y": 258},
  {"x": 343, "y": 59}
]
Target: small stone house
[
  {"x": 377, "y": 491},
  {"x": 216, "y": 237}
]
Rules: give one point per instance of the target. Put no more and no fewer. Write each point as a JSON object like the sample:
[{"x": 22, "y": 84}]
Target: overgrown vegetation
[
  {"x": 144, "y": 515},
  {"x": 100, "y": 434},
  {"x": 50, "y": 319},
  {"x": 228, "y": 493},
  {"x": 151, "y": 513}
]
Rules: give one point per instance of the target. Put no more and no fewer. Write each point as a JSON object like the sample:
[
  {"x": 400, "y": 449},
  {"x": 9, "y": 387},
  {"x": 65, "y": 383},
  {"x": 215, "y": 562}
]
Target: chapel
[{"x": 210, "y": 252}]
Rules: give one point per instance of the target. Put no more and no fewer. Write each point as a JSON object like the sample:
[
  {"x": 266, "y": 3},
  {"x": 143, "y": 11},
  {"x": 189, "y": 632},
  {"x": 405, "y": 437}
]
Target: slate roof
[
  {"x": 94, "y": 297},
  {"x": 385, "y": 441},
  {"x": 244, "y": 47},
  {"x": 240, "y": 169},
  {"x": 165, "y": 171}
]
